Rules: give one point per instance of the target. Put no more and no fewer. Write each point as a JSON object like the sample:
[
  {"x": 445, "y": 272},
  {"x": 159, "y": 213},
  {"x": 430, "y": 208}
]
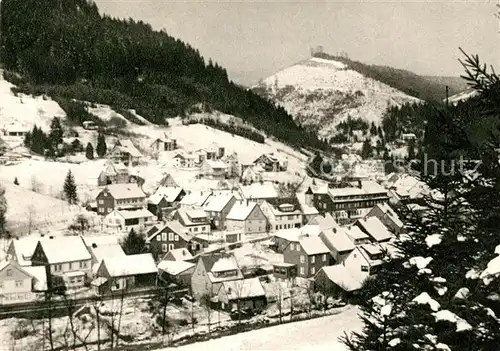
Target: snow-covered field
[
  {"x": 316, "y": 334},
  {"x": 29, "y": 211},
  {"x": 321, "y": 93}
]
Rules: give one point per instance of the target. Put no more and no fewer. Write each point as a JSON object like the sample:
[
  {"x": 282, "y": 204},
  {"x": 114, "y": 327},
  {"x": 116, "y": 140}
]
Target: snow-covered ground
[
  {"x": 316, "y": 334},
  {"x": 26, "y": 110},
  {"x": 29, "y": 211},
  {"x": 321, "y": 93}
]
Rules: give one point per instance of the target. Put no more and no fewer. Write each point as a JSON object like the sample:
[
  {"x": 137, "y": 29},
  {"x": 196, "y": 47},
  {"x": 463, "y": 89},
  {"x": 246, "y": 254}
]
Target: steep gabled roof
[
  {"x": 243, "y": 288},
  {"x": 64, "y": 249},
  {"x": 174, "y": 226},
  {"x": 341, "y": 276},
  {"x": 126, "y": 145},
  {"x": 313, "y": 246},
  {"x": 241, "y": 210},
  {"x": 217, "y": 202},
  {"x": 375, "y": 228},
  {"x": 170, "y": 193},
  {"x": 338, "y": 239}
]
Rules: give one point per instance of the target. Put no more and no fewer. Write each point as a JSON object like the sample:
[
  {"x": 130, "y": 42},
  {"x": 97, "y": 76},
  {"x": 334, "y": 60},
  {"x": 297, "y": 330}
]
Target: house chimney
[
  {"x": 51, "y": 237},
  {"x": 94, "y": 245}
]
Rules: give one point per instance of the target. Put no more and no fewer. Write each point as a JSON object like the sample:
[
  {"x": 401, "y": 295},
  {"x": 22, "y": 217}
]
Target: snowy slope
[
  {"x": 319, "y": 93},
  {"x": 464, "y": 95},
  {"x": 26, "y": 110},
  {"x": 27, "y": 208},
  {"x": 316, "y": 334}
]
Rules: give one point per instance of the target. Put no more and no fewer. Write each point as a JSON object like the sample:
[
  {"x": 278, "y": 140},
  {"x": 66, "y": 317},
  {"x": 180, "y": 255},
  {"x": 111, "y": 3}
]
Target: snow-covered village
[{"x": 152, "y": 198}]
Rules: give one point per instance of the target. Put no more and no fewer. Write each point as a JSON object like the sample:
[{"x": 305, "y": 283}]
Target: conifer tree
[
  {"x": 70, "y": 189},
  {"x": 367, "y": 149},
  {"x": 56, "y": 132},
  {"x": 16, "y": 182},
  {"x": 134, "y": 243},
  {"x": 428, "y": 295},
  {"x": 101, "y": 145},
  {"x": 3, "y": 211},
  {"x": 89, "y": 152}
]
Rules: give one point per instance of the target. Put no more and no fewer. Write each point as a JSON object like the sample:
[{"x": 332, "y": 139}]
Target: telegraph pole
[{"x": 447, "y": 95}]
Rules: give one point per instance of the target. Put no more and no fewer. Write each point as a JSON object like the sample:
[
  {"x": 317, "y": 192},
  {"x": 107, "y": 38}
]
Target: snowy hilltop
[{"x": 319, "y": 93}]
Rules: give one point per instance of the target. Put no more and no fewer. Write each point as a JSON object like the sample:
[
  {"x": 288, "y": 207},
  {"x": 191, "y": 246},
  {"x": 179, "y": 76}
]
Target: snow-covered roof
[
  {"x": 225, "y": 264},
  {"x": 216, "y": 164},
  {"x": 170, "y": 193},
  {"x": 40, "y": 275},
  {"x": 24, "y": 248},
  {"x": 340, "y": 275},
  {"x": 356, "y": 234},
  {"x": 131, "y": 214},
  {"x": 217, "y": 202},
  {"x": 109, "y": 169},
  {"x": 324, "y": 222},
  {"x": 259, "y": 191},
  {"x": 130, "y": 265},
  {"x": 338, "y": 239},
  {"x": 241, "y": 210},
  {"x": 181, "y": 254},
  {"x": 243, "y": 288},
  {"x": 375, "y": 228},
  {"x": 64, "y": 249},
  {"x": 174, "y": 226},
  {"x": 291, "y": 234},
  {"x": 124, "y": 191},
  {"x": 368, "y": 187},
  {"x": 175, "y": 267},
  {"x": 313, "y": 246},
  {"x": 385, "y": 208},
  {"x": 102, "y": 251},
  {"x": 195, "y": 198},
  {"x": 126, "y": 145}
]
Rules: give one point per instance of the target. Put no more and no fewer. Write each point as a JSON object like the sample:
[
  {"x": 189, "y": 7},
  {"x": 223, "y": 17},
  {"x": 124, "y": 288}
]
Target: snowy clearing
[{"x": 322, "y": 334}]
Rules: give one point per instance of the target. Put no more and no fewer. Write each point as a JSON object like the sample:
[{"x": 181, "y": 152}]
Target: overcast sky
[{"x": 254, "y": 39}]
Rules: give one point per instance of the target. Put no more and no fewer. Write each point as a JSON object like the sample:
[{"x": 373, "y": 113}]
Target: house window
[
  {"x": 70, "y": 266},
  {"x": 176, "y": 237},
  {"x": 324, "y": 257},
  {"x": 109, "y": 210},
  {"x": 9, "y": 272},
  {"x": 101, "y": 202},
  {"x": 312, "y": 259},
  {"x": 83, "y": 264},
  {"x": 164, "y": 236},
  {"x": 301, "y": 270},
  {"x": 101, "y": 209},
  {"x": 302, "y": 259},
  {"x": 170, "y": 247},
  {"x": 164, "y": 247},
  {"x": 19, "y": 283},
  {"x": 276, "y": 227},
  {"x": 313, "y": 270},
  {"x": 170, "y": 236},
  {"x": 158, "y": 237},
  {"x": 364, "y": 268},
  {"x": 195, "y": 229},
  {"x": 292, "y": 246}
]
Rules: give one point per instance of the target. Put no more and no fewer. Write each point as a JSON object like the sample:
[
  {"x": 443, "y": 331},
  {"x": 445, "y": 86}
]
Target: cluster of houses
[{"x": 335, "y": 235}]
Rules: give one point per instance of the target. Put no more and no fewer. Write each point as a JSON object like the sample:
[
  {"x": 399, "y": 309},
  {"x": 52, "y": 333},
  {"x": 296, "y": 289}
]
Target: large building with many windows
[{"x": 347, "y": 203}]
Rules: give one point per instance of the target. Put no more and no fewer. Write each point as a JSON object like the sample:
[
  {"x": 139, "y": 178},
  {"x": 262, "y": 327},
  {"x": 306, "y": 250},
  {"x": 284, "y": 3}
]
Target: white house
[
  {"x": 195, "y": 199},
  {"x": 246, "y": 217},
  {"x": 283, "y": 213},
  {"x": 20, "y": 284},
  {"x": 214, "y": 169},
  {"x": 186, "y": 160},
  {"x": 364, "y": 261},
  {"x": 125, "y": 220},
  {"x": 258, "y": 192},
  {"x": 66, "y": 258}
]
